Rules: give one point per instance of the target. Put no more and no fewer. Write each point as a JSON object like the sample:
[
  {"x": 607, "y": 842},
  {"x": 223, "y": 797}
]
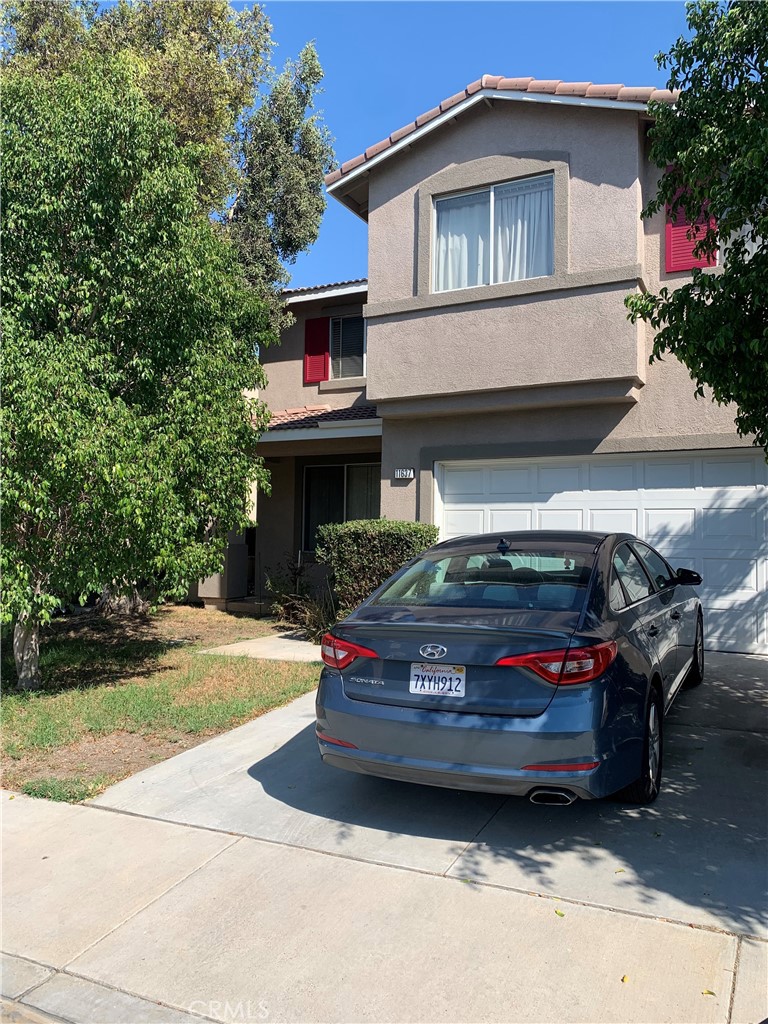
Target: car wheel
[
  {"x": 645, "y": 789},
  {"x": 695, "y": 675}
]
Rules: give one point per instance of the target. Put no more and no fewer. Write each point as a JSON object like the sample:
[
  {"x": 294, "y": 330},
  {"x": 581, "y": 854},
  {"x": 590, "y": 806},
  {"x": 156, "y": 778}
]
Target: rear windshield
[{"x": 553, "y": 579}]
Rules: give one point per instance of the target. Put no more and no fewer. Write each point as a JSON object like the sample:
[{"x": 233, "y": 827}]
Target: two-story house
[{"x": 486, "y": 377}]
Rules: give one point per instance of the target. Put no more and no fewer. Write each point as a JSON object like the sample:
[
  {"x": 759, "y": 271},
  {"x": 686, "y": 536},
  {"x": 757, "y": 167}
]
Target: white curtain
[
  {"x": 523, "y": 236},
  {"x": 463, "y": 242}
]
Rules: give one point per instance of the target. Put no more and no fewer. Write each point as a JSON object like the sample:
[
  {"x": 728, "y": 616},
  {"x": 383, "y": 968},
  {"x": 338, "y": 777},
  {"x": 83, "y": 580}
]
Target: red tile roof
[
  {"x": 587, "y": 90},
  {"x": 314, "y": 415}
]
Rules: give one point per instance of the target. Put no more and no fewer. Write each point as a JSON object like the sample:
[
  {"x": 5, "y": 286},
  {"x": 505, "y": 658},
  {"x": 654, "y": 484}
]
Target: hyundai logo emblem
[{"x": 433, "y": 651}]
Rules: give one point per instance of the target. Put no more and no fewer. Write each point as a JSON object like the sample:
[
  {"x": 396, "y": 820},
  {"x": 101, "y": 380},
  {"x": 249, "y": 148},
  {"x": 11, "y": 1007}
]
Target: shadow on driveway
[{"x": 698, "y": 854}]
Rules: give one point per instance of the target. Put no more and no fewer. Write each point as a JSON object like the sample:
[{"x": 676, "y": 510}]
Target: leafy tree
[
  {"x": 128, "y": 438},
  {"x": 713, "y": 145},
  {"x": 262, "y": 152}
]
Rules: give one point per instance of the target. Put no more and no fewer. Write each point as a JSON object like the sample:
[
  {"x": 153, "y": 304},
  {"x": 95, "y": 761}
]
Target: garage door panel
[
  {"x": 722, "y": 473},
  {"x": 462, "y": 521},
  {"x": 461, "y": 483},
  {"x": 666, "y": 524},
  {"x": 613, "y": 520},
  {"x": 737, "y": 524},
  {"x": 728, "y": 626},
  {"x": 512, "y": 481},
  {"x": 508, "y": 520},
  {"x": 663, "y": 474},
  {"x": 733, "y": 575},
  {"x": 556, "y": 479},
  {"x": 561, "y": 519},
  {"x": 704, "y": 511},
  {"x": 612, "y": 477}
]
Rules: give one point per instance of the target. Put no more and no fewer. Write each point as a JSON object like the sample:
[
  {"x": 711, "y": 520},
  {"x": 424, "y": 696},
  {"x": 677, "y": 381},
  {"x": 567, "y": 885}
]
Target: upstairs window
[
  {"x": 494, "y": 235},
  {"x": 681, "y": 238},
  {"x": 334, "y": 348},
  {"x": 347, "y": 347}
]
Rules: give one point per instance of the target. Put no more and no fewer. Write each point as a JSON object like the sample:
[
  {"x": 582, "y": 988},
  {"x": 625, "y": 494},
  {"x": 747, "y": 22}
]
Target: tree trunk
[
  {"x": 110, "y": 603},
  {"x": 26, "y": 651}
]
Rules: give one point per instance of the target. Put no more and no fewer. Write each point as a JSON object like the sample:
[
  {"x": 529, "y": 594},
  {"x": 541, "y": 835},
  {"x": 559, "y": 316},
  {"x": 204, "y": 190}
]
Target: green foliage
[
  {"x": 363, "y": 553},
  {"x": 714, "y": 146},
  {"x": 261, "y": 151},
  {"x": 283, "y": 152},
  {"x": 129, "y": 337},
  {"x": 296, "y": 601},
  {"x": 72, "y": 790}
]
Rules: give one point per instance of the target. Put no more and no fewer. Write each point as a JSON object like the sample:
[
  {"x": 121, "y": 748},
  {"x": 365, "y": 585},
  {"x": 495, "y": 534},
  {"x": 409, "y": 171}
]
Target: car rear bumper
[{"x": 479, "y": 752}]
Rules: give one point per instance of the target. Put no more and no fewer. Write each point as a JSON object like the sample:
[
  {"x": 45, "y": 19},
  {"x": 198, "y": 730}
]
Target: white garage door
[{"x": 706, "y": 511}]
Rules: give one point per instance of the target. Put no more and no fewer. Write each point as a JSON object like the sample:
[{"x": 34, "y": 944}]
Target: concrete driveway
[{"x": 244, "y": 881}]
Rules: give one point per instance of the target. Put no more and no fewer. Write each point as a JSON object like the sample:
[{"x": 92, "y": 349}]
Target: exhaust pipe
[{"x": 543, "y": 795}]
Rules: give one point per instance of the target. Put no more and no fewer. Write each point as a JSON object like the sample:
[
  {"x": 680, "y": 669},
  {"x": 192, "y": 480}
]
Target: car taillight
[
  {"x": 325, "y": 738},
  {"x": 567, "y": 666},
  {"x": 339, "y": 654}
]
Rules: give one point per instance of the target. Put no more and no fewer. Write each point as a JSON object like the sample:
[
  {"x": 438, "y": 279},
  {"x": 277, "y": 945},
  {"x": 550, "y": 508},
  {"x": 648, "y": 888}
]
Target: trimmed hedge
[{"x": 363, "y": 553}]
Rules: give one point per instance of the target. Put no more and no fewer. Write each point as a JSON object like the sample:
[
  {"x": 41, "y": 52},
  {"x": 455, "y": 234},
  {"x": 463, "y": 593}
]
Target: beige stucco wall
[
  {"x": 601, "y": 147},
  {"x": 550, "y": 338},
  {"x": 570, "y": 327},
  {"x": 665, "y": 417},
  {"x": 284, "y": 363}
]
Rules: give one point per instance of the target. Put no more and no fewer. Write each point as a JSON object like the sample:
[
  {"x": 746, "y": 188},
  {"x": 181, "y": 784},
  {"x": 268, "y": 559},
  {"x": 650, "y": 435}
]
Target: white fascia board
[
  {"x": 329, "y": 293},
  {"x": 369, "y": 428},
  {"x": 470, "y": 101}
]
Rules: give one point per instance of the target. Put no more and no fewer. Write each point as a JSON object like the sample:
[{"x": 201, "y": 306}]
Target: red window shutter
[
  {"x": 316, "y": 349},
  {"x": 679, "y": 247}
]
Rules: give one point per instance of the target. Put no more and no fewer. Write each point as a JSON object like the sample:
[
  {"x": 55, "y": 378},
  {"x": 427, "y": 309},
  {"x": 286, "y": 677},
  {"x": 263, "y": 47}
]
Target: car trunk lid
[{"x": 422, "y": 664}]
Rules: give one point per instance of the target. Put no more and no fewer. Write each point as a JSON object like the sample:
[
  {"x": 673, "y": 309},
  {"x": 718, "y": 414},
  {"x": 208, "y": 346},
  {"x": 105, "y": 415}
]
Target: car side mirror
[{"x": 688, "y": 577}]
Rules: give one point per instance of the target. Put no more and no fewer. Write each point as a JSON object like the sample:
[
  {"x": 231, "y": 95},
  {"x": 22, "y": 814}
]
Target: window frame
[
  {"x": 671, "y": 577},
  {"x": 491, "y": 189},
  {"x": 325, "y": 465},
  {"x": 347, "y": 316},
  {"x": 630, "y": 604}
]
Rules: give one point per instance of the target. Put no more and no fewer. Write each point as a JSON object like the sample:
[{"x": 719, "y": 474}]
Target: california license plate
[{"x": 443, "y": 680}]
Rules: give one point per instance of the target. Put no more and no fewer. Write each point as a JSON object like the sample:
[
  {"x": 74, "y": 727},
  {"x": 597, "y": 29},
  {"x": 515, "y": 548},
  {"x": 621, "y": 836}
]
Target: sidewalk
[
  {"x": 288, "y": 647},
  {"x": 189, "y": 923}
]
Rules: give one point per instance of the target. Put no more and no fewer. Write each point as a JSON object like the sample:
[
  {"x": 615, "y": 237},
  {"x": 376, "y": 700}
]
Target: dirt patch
[{"x": 115, "y": 756}]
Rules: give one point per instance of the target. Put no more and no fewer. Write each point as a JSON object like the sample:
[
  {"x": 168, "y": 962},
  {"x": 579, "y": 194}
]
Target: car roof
[{"x": 584, "y": 540}]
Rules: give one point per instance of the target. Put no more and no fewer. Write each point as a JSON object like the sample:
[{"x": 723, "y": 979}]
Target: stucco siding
[
  {"x": 284, "y": 365},
  {"x": 602, "y": 151},
  {"x": 543, "y": 339}
]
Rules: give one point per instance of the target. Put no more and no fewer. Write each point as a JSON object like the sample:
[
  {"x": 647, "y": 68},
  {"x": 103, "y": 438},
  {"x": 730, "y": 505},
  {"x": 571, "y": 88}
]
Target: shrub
[
  {"x": 363, "y": 553},
  {"x": 295, "y": 600}
]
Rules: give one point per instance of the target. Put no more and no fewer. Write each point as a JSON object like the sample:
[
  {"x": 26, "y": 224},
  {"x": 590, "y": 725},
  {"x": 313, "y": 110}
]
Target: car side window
[
  {"x": 632, "y": 574},
  {"x": 657, "y": 568},
  {"x": 616, "y": 597}
]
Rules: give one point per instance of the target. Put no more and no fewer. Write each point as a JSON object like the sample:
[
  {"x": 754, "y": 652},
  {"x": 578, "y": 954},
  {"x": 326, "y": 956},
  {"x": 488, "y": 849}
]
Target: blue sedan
[{"x": 539, "y": 664}]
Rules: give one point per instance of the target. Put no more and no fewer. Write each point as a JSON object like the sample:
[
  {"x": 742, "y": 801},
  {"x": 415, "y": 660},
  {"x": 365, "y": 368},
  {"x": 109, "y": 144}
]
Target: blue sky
[{"x": 386, "y": 62}]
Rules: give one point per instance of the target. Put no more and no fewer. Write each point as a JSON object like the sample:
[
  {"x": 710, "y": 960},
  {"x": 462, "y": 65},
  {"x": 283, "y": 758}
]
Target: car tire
[
  {"x": 695, "y": 676},
  {"x": 645, "y": 788}
]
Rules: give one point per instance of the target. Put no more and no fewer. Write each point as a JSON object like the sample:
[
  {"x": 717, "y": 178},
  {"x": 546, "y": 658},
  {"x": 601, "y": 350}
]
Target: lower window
[{"x": 336, "y": 494}]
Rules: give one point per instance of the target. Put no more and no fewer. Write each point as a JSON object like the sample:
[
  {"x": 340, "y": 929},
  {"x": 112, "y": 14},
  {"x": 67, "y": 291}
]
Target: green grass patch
[
  {"x": 127, "y": 678},
  {"x": 206, "y": 693},
  {"x": 72, "y": 790}
]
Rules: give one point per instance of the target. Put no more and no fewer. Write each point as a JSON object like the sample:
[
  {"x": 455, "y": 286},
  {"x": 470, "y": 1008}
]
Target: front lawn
[{"x": 122, "y": 694}]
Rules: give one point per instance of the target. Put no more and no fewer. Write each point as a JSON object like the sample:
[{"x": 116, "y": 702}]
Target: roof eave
[
  {"x": 338, "y": 188},
  {"x": 312, "y": 295},
  {"x": 325, "y": 432}
]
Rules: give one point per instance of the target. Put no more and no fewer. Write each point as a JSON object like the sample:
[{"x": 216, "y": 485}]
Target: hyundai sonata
[{"x": 539, "y": 664}]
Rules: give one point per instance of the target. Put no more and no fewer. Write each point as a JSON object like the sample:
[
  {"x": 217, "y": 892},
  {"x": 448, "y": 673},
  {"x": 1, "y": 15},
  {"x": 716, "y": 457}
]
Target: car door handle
[
  {"x": 653, "y": 631},
  {"x": 674, "y": 615}
]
